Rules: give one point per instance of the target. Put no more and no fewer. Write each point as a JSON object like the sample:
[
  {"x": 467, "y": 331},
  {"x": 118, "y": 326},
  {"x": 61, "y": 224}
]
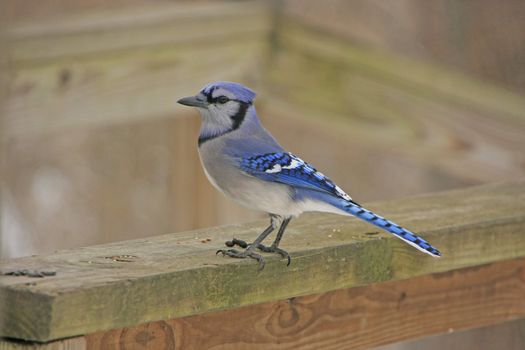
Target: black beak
[{"x": 192, "y": 101}]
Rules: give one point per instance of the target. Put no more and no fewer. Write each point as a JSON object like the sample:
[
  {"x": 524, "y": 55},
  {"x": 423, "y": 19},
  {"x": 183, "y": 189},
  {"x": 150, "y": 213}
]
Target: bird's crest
[{"x": 229, "y": 89}]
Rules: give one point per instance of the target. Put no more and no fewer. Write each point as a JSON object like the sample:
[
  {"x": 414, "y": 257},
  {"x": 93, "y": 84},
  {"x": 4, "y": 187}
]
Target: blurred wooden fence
[
  {"x": 481, "y": 38},
  {"x": 409, "y": 127},
  {"x": 96, "y": 149},
  {"x": 346, "y": 288}
]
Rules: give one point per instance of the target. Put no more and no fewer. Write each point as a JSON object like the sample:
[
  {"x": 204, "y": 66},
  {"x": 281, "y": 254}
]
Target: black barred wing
[{"x": 290, "y": 170}]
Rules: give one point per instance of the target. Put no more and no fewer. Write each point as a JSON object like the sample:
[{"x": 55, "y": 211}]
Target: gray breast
[{"x": 221, "y": 170}]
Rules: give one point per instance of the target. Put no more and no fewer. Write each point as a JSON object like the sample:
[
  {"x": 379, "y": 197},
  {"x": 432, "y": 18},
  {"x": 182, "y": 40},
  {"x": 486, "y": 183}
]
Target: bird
[{"x": 243, "y": 160}]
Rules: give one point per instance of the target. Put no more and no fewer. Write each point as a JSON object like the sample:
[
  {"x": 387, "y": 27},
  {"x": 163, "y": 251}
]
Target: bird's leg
[
  {"x": 249, "y": 251},
  {"x": 274, "y": 248}
]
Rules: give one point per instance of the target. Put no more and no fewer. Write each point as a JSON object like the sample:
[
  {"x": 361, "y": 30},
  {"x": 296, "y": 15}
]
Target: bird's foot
[
  {"x": 261, "y": 247},
  {"x": 275, "y": 250},
  {"x": 248, "y": 253}
]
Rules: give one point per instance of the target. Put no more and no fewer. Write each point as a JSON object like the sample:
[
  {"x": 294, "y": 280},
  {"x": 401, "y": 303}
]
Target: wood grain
[
  {"x": 179, "y": 275},
  {"x": 508, "y": 335},
  {"x": 126, "y": 64},
  {"x": 357, "y": 318}
]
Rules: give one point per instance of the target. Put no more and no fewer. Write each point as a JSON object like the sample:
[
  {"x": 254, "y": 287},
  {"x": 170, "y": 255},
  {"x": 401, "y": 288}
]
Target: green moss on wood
[
  {"x": 176, "y": 275},
  {"x": 374, "y": 261}
]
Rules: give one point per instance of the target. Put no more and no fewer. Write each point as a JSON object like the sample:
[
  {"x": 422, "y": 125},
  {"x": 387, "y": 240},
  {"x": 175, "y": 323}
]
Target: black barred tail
[{"x": 391, "y": 227}]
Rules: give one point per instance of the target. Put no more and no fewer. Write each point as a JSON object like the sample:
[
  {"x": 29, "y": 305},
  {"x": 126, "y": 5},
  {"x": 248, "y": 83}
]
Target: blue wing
[{"x": 290, "y": 170}]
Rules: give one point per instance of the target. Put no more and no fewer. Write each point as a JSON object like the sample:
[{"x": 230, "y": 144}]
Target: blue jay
[{"x": 243, "y": 161}]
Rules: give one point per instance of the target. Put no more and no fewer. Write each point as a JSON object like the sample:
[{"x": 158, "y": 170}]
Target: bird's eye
[{"x": 222, "y": 99}]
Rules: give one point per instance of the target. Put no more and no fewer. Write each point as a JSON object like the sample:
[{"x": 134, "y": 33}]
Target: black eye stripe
[
  {"x": 220, "y": 99},
  {"x": 214, "y": 100}
]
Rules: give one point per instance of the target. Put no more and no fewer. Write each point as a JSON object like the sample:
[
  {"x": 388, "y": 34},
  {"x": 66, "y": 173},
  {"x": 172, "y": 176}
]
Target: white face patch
[
  {"x": 217, "y": 118},
  {"x": 221, "y": 113},
  {"x": 224, "y": 110}
]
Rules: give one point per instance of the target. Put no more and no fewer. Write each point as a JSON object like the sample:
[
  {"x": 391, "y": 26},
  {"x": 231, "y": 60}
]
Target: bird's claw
[
  {"x": 275, "y": 250},
  {"x": 261, "y": 247},
  {"x": 248, "y": 253}
]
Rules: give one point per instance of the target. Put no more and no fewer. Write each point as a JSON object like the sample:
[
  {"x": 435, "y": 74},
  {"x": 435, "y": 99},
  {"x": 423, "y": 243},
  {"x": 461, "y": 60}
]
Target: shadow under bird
[{"x": 243, "y": 161}]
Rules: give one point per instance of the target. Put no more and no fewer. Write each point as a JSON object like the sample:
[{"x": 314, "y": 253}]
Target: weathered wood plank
[
  {"x": 124, "y": 28},
  {"x": 507, "y": 335},
  {"x": 178, "y": 275},
  {"x": 357, "y": 318}
]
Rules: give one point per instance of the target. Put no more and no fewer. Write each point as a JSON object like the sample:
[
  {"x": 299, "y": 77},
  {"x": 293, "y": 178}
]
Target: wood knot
[
  {"x": 155, "y": 335},
  {"x": 290, "y": 318}
]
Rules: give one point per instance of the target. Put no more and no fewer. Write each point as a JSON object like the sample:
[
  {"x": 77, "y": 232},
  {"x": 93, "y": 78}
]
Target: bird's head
[{"x": 223, "y": 105}]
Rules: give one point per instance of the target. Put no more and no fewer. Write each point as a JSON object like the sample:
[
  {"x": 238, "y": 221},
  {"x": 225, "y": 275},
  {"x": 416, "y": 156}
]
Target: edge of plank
[{"x": 176, "y": 275}]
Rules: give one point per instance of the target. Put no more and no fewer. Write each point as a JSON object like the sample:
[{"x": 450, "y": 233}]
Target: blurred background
[{"x": 389, "y": 98}]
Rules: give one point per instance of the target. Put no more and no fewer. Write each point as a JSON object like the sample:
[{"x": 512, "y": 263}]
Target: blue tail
[{"x": 387, "y": 225}]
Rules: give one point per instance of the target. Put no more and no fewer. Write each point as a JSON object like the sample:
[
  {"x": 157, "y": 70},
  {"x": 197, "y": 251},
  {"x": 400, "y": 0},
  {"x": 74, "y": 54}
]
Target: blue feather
[
  {"x": 390, "y": 226},
  {"x": 290, "y": 170},
  {"x": 309, "y": 183}
]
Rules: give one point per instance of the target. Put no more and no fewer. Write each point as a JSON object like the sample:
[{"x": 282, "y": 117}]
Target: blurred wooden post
[
  {"x": 3, "y": 88},
  {"x": 92, "y": 119},
  {"x": 348, "y": 286},
  {"x": 3, "y": 92}
]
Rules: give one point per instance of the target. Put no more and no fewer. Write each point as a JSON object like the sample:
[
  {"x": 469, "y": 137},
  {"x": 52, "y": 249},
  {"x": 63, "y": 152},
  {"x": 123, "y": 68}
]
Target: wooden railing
[{"x": 348, "y": 286}]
